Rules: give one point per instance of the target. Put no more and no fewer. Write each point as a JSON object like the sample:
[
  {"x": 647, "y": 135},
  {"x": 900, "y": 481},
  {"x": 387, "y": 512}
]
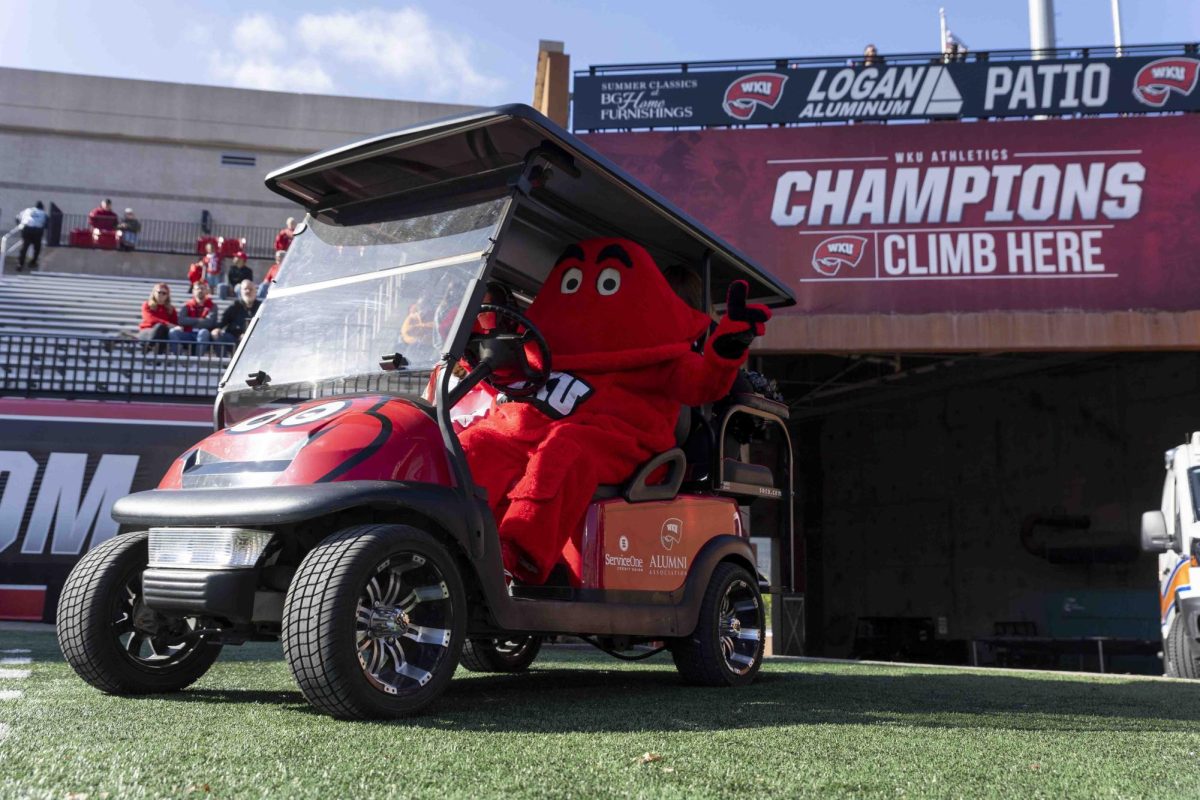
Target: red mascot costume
[{"x": 621, "y": 342}]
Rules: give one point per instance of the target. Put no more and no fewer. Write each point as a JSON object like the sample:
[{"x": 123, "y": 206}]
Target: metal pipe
[
  {"x": 1117, "y": 33},
  {"x": 1041, "y": 28}
]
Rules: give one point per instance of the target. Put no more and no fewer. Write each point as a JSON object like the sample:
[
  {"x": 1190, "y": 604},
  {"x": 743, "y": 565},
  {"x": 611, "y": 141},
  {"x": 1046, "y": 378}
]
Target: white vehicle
[{"x": 1174, "y": 533}]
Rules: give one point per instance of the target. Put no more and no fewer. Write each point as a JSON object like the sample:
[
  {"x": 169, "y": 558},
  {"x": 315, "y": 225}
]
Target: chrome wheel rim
[
  {"x": 403, "y": 624},
  {"x": 740, "y": 627},
  {"x": 513, "y": 648},
  {"x": 135, "y": 628}
]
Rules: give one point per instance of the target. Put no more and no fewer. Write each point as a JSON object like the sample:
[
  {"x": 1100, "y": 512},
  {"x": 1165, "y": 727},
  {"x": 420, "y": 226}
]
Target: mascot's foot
[{"x": 518, "y": 565}]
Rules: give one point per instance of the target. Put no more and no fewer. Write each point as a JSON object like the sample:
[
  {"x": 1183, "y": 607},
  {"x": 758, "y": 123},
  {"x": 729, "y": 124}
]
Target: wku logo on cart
[
  {"x": 1155, "y": 81},
  {"x": 836, "y": 251},
  {"x": 751, "y": 91}
]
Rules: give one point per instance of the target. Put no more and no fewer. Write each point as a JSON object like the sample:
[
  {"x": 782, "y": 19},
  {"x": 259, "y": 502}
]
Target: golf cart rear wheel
[
  {"x": 374, "y": 622},
  {"x": 112, "y": 640},
  {"x": 726, "y": 649},
  {"x": 1179, "y": 652},
  {"x": 504, "y": 654}
]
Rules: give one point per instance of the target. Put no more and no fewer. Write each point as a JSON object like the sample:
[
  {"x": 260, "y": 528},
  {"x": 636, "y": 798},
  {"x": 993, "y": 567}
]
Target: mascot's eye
[
  {"x": 609, "y": 281},
  {"x": 572, "y": 280}
]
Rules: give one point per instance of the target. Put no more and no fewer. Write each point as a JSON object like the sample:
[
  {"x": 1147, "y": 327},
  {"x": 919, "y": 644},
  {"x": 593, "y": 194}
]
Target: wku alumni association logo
[
  {"x": 749, "y": 92},
  {"x": 1155, "y": 81},
  {"x": 832, "y": 253}
]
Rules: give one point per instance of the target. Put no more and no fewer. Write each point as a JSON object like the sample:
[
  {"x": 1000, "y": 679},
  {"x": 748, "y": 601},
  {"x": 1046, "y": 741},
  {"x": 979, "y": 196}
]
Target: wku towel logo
[
  {"x": 1155, "y": 81},
  {"x": 751, "y": 91},
  {"x": 835, "y": 251}
]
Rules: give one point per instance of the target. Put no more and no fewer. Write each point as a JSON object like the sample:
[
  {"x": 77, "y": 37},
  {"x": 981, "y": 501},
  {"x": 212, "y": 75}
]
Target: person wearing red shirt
[
  {"x": 283, "y": 239},
  {"x": 196, "y": 320},
  {"x": 196, "y": 274},
  {"x": 103, "y": 216},
  {"x": 271, "y": 273},
  {"x": 158, "y": 317}
]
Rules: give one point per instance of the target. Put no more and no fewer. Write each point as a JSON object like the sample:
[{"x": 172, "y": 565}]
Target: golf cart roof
[{"x": 482, "y": 154}]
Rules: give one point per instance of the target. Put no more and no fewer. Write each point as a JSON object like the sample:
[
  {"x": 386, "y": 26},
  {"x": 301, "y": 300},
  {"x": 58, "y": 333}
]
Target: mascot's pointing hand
[{"x": 741, "y": 323}]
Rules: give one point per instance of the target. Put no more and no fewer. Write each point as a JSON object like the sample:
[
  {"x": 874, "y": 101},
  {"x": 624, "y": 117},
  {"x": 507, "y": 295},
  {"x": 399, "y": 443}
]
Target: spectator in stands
[
  {"x": 130, "y": 226},
  {"x": 871, "y": 57},
  {"x": 196, "y": 320},
  {"x": 103, "y": 217},
  {"x": 238, "y": 271},
  {"x": 953, "y": 49},
  {"x": 158, "y": 317},
  {"x": 271, "y": 273},
  {"x": 236, "y": 317},
  {"x": 196, "y": 273},
  {"x": 283, "y": 239},
  {"x": 212, "y": 269},
  {"x": 33, "y": 223}
]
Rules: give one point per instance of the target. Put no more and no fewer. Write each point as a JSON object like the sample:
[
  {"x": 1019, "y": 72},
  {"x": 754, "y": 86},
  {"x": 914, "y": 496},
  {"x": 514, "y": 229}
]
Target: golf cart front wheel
[
  {"x": 374, "y": 622},
  {"x": 112, "y": 640},
  {"x": 726, "y": 648},
  {"x": 504, "y": 654}
]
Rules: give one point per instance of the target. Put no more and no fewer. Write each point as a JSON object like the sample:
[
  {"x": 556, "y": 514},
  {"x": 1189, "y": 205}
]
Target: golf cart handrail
[{"x": 487, "y": 151}]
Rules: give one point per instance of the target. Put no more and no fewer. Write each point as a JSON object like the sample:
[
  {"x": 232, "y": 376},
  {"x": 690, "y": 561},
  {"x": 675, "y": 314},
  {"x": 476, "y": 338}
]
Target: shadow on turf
[{"x": 565, "y": 700}]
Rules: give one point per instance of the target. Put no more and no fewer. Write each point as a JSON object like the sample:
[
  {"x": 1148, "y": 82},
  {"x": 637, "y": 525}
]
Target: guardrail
[
  {"x": 893, "y": 59},
  {"x": 92, "y": 366},
  {"x": 167, "y": 236}
]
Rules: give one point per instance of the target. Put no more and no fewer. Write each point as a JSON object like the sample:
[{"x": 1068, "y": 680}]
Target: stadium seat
[
  {"x": 104, "y": 240},
  {"x": 80, "y": 237},
  {"x": 228, "y": 248}
]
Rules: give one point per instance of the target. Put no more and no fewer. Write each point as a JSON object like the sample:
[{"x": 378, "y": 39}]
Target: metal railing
[
  {"x": 10, "y": 242},
  {"x": 93, "y": 366},
  {"x": 167, "y": 236},
  {"x": 1105, "y": 51}
]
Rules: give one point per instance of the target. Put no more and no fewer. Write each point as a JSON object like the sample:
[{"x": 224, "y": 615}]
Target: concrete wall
[
  {"x": 915, "y": 507},
  {"x": 156, "y": 147},
  {"x": 81, "y": 261}
]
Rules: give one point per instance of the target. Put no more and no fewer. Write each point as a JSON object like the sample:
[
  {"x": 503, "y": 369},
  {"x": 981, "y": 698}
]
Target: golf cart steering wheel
[{"x": 497, "y": 352}]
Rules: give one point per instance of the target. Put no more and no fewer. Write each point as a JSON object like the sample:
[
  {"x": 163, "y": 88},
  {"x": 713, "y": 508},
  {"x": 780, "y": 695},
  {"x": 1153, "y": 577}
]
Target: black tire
[
  {"x": 504, "y": 654},
  {"x": 366, "y": 596},
  {"x": 1179, "y": 652},
  {"x": 726, "y": 649},
  {"x": 102, "y": 626}
]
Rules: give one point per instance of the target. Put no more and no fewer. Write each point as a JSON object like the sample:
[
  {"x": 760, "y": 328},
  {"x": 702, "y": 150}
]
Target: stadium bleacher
[
  {"x": 78, "y": 305},
  {"x": 74, "y": 335}
]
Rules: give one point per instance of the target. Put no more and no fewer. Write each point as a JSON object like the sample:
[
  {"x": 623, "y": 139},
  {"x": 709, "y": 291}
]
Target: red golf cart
[{"x": 333, "y": 508}]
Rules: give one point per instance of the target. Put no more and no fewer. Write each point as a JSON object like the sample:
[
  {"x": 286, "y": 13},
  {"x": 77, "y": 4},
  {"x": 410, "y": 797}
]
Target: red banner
[{"x": 1097, "y": 215}]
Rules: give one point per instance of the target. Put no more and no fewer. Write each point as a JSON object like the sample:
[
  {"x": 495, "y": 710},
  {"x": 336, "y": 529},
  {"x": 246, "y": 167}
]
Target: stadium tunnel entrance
[{"x": 949, "y": 503}]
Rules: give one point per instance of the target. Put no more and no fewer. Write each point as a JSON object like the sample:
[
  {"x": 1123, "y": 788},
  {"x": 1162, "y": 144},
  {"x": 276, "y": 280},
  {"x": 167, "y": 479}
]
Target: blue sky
[{"x": 484, "y": 51}]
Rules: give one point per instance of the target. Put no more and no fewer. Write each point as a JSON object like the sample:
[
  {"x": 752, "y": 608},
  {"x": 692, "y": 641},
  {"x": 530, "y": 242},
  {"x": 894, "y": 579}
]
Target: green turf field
[{"x": 580, "y": 725}]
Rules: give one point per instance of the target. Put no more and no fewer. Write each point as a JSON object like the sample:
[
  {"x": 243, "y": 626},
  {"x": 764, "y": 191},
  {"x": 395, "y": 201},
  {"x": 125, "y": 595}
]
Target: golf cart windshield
[{"x": 349, "y": 295}]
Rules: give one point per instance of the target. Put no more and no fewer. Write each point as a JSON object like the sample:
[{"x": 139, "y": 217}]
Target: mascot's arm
[{"x": 698, "y": 379}]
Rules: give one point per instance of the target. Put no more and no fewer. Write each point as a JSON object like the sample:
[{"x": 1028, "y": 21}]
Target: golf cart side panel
[
  {"x": 514, "y": 146},
  {"x": 655, "y": 614},
  {"x": 272, "y": 506}
]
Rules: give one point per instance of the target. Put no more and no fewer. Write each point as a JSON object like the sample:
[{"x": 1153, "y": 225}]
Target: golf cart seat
[{"x": 649, "y": 481}]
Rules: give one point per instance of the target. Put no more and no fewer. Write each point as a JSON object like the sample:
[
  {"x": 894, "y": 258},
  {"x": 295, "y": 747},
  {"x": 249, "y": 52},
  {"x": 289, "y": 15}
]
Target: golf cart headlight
[{"x": 207, "y": 547}]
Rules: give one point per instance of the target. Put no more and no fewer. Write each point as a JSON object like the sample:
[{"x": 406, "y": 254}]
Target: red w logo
[
  {"x": 750, "y": 91},
  {"x": 1155, "y": 81},
  {"x": 835, "y": 251}
]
